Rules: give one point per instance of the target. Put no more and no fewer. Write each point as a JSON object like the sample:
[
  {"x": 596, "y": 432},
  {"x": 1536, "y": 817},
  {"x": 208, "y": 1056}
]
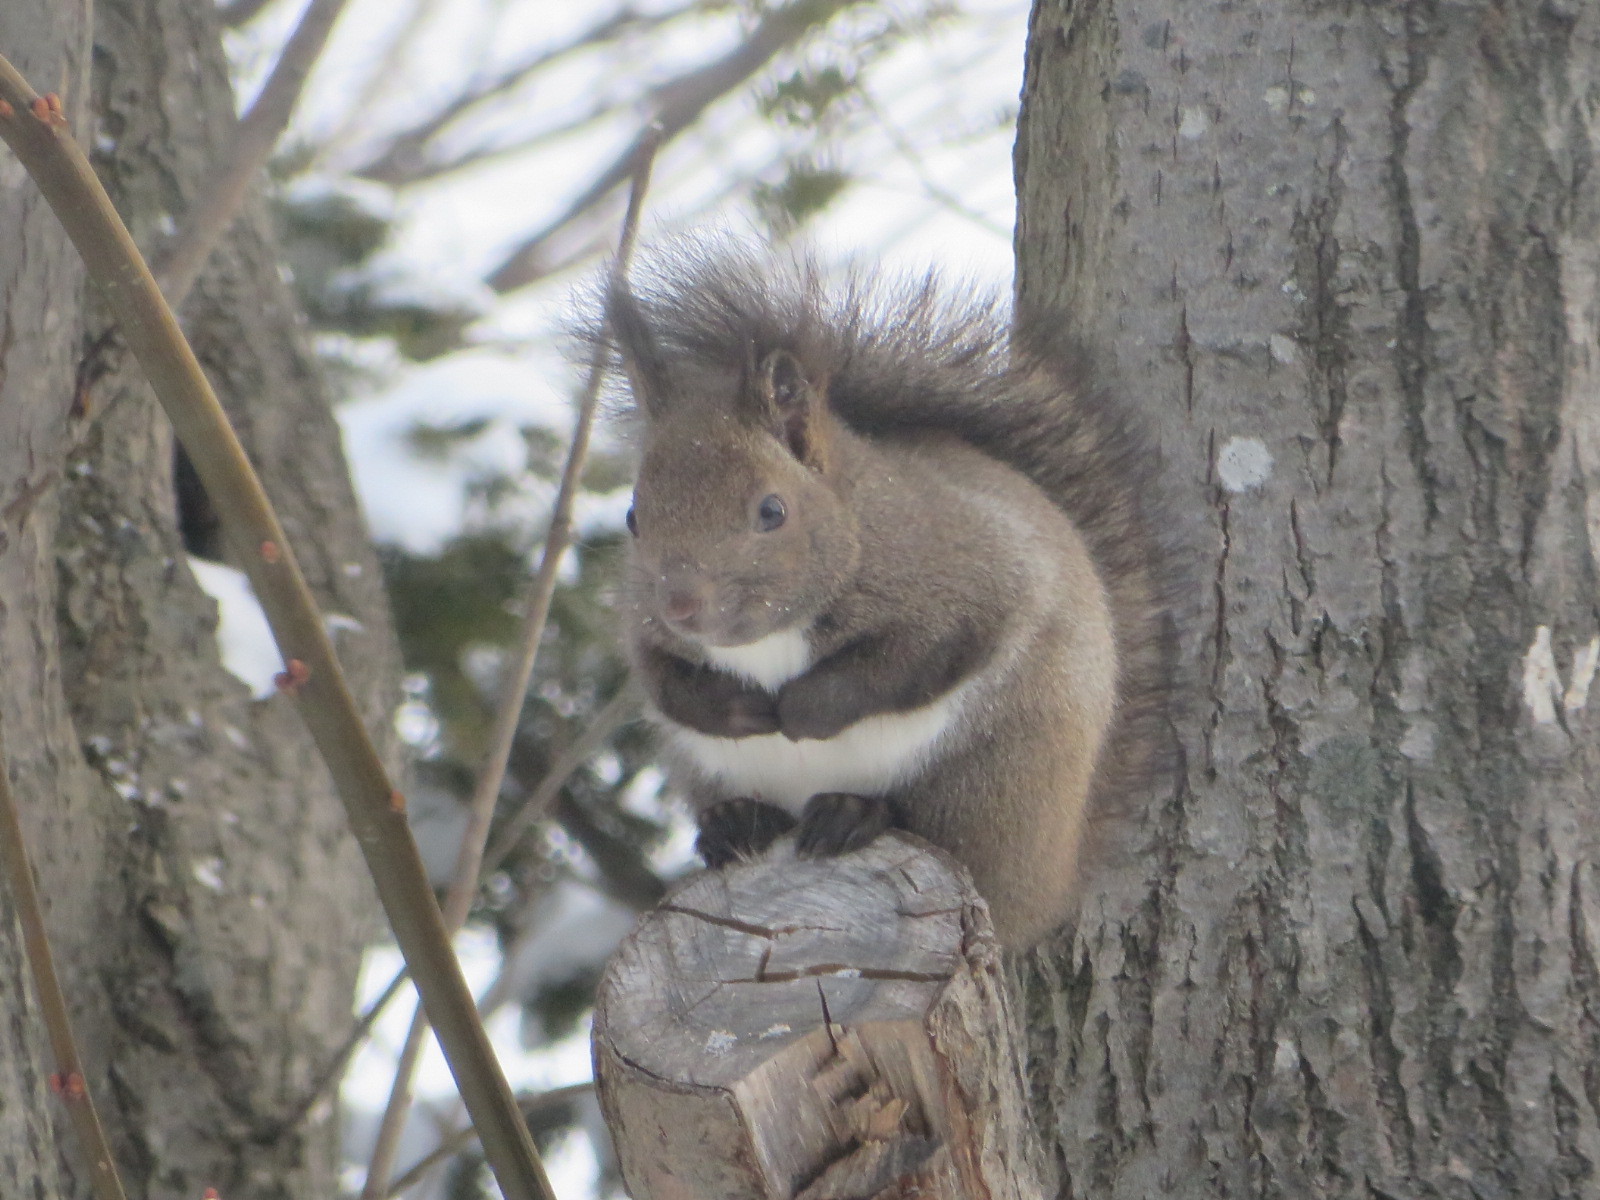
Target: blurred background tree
[{"x": 449, "y": 184}]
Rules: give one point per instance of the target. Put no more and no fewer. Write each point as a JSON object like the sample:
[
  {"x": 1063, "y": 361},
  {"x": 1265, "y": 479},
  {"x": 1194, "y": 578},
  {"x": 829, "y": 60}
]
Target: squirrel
[{"x": 893, "y": 563}]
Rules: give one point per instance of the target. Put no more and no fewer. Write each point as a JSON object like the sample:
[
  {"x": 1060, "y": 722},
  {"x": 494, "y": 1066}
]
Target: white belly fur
[
  {"x": 769, "y": 663},
  {"x": 866, "y": 759}
]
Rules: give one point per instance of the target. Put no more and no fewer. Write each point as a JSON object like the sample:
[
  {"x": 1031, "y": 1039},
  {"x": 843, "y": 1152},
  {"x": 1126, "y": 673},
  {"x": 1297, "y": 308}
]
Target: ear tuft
[
  {"x": 783, "y": 380},
  {"x": 793, "y": 408},
  {"x": 636, "y": 345}
]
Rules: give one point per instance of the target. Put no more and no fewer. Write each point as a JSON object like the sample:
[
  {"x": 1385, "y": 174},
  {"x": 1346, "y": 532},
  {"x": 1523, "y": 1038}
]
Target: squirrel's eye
[
  {"x": 771, "y": 514},
  {"x": 633, "y": 521}
]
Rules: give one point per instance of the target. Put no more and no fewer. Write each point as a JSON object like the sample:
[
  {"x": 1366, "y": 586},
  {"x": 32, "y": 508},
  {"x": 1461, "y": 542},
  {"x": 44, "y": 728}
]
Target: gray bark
[
  {"x": 205, "y": 902},
  {"x": 40, "y": 286},
  {"x": 1347, "y": 255}
]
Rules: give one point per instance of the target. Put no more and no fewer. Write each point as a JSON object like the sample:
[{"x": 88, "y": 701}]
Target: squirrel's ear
[
  {"x": 641, "y": 361},
  {"x": 793, "y": 407}
]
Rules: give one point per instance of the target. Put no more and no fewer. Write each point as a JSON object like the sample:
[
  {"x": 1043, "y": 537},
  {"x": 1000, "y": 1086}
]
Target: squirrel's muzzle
[{"x": 683, "y": 595}]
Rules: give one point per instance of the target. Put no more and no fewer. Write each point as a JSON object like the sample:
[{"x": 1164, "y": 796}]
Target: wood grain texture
[{"x": 816, "y": 1030}]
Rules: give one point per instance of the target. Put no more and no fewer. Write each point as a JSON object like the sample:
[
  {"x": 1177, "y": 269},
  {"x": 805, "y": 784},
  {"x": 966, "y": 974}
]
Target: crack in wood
[
  {"x": 754, "y": 930},
  {"x": 839, "y": 971}
]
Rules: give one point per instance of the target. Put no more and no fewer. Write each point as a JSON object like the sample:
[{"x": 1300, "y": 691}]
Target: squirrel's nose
[
  {"x": 680, "y": 606},
  {"x": 682, "y": 592}
]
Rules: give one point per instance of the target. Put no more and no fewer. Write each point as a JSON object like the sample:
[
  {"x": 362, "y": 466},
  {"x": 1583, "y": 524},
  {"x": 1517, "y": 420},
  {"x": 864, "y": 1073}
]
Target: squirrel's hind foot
[
  {"x": 835, "y": 823},
  {"x": 739, "y": 828}
]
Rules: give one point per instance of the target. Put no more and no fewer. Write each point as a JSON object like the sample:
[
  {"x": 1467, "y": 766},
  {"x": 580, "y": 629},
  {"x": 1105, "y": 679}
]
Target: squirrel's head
[{"x": 741, "y": 520}]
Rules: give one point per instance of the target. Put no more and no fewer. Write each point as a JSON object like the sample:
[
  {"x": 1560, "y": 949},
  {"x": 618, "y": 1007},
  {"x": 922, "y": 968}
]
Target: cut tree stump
[{"x": 816, "y": 1030}]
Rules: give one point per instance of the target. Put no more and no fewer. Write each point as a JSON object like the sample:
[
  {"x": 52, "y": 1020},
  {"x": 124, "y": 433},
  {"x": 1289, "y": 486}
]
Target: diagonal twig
[
  {"x": 333, "y": 1070},
  {"x": 931, "y": 187},
  {"x": 407, "y": 164},
  {"x": 405, "y": 159},
  {"x": 35, "y": 129},
  {"x": 219, "y": 198},
  {"x": 69, "y": 1081},
  {"x": 389, "y": 67},
  {"x": 532, "y": 1108},
  {"x": 513, "y": 690},
  {"x": 611, "y": 717},
  {"x": 678, "y": 104}
]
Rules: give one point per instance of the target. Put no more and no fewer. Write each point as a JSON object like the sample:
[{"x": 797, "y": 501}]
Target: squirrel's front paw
[
  {"x": 809, "y": 712},
  {"x": 740, "y": 828},
  {"x": 719, "y": 705},
  {"x": 836, "y": 823},
  {"x": 750, "y": 714}
]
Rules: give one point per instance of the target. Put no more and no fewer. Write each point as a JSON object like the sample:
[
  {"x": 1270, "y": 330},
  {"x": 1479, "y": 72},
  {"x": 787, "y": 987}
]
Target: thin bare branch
[
  {"x": 617, "y": 712},
  {"x": 464, "y": 885},
  {"x": 640, "y": 887},
  {"x": 35, "y": 129},
  {"x": 219, "y": 199},
  {"x": 581, "y": 242},
  {"x": 677, "y": 105},
  {"x": 931, "y": 187},
  {"x": 625, "y": 873},
  {"x": 386, "y": 1146},
  {"x": 69, "y": 1082},
  {"x": 333, "y": 1070},
  {"x": 406, "y": 159},
  {"x": 387, "y": 69},
  {"x": 533, "y": 1107},
  {"x": 404, "y": 170}
]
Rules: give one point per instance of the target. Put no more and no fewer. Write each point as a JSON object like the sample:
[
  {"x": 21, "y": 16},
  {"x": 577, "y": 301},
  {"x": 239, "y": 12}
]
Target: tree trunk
[
  {"x": 40, "y": 287},
  {"x": 1349, "y": 255},
  {"x": 205, "y": 901}
]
